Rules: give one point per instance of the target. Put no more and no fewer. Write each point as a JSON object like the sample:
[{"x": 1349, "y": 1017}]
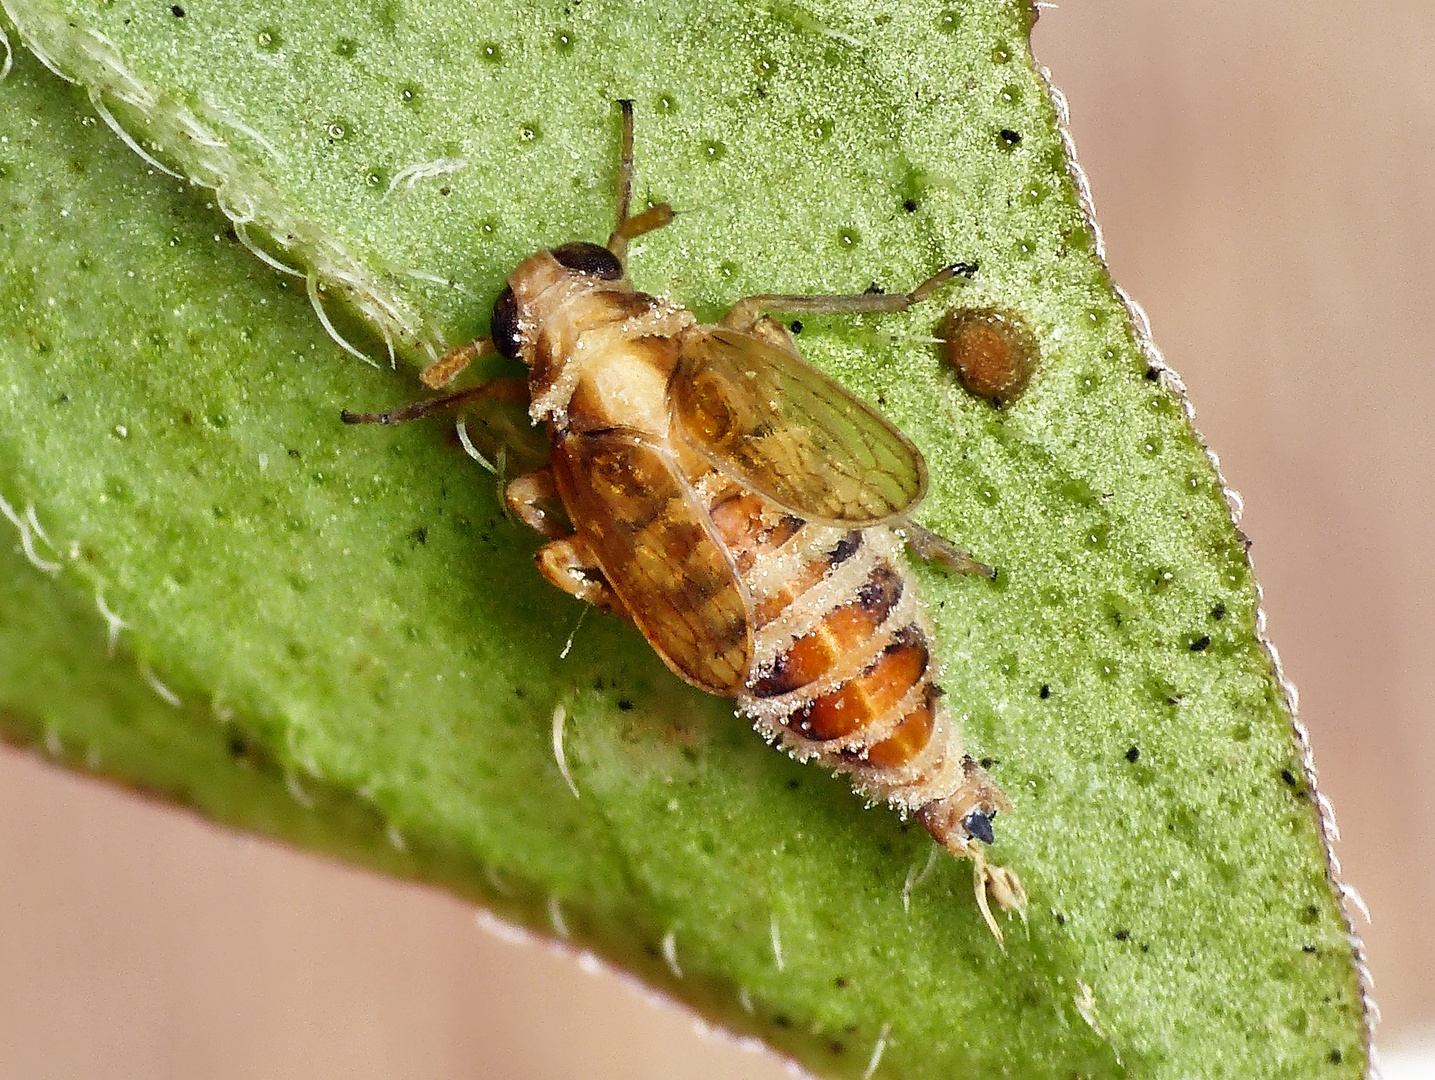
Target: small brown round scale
[{"x": 993, "y": 352}]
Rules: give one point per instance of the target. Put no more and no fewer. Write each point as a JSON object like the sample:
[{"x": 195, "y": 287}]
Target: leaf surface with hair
[{"x": 333, "y": 635}]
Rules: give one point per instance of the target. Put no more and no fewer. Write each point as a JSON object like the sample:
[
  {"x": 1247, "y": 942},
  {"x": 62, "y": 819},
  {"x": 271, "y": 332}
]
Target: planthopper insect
[{"x": 744, "y": 511}]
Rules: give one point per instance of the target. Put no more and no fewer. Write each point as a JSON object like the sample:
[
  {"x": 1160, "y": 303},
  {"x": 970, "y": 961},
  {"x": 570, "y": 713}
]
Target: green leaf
[{"x": 334, "y": 635}]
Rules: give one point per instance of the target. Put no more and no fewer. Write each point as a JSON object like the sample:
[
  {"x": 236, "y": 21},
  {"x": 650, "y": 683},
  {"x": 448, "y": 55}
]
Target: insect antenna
[
  {"x": 506, "y": 389},
  {"x": 628, "y": 227},
  {"x": 625, "y": 164}
]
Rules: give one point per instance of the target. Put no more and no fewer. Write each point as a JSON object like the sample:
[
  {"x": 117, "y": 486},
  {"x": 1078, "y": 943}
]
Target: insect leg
[
  {"x": 744, "y": 314},
  {"x": 524, "y": 496},
  {"x": 446, "y": 368},
  {"x": 625, "y": 164},
  {"x": 930, "y": 547},
  {"x": 569, "y": 564},
  {"x": 628, "y": 226},
  {"x": 507, "y": 389}
]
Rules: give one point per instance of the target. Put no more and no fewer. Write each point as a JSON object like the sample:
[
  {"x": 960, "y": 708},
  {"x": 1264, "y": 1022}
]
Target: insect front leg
[
  {"x": 526, "y": 496},
  {"x": 569, "y": 564},
  {"x": 447, "y": 367},
  {"x": 747, "y": 312}
]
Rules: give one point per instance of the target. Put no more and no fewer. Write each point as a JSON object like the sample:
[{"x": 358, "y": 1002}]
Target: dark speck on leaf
[
  {"x": 625, "y": 705},
  {"x": 177, "y": 11},
  {"x": 1011, "y": 138},
  {"x": 797, "y": 326},
  {"x": 1152, "y": 374},
  {"x": 1133, "y": 754},
  {"x": 1288, "y": 777},
  {"x": 1199, "y": 645},
  {"x": 1045, "y": 692},
  {"x": 1122, "y": 935}
]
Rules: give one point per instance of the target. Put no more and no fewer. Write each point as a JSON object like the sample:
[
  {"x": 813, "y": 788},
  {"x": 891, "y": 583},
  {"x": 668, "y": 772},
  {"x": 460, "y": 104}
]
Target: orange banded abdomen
[{"x": 842, "y": 669}]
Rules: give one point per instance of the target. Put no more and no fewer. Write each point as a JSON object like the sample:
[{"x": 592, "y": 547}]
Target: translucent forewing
[
  {"x": 656, "y": 547},
  {"x": 783, "y": 429}
]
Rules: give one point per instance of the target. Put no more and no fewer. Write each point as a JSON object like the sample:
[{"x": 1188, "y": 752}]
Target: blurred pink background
[{"x": 1265, "y": 177}]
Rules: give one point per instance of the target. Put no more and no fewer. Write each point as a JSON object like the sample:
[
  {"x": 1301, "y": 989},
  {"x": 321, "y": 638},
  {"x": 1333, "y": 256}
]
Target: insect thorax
[{"x": 600, "y": 354}]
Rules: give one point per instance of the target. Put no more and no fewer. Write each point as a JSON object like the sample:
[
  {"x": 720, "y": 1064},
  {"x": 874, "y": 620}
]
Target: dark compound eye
[
  {"x": 503, "y": 327},
  {"x": 589, "y": 259},
  {"x": 980, "y": 826}
]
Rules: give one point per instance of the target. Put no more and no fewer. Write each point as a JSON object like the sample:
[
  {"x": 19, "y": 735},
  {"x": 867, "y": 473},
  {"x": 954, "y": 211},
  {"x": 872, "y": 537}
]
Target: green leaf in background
[{"x": 335, "y": 636}]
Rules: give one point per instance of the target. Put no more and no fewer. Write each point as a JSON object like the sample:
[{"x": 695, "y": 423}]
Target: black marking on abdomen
[
  {"x": 882, "y": 591},
  {"x": 796, "y": 666},
  {"x": 845, "y": 549}
]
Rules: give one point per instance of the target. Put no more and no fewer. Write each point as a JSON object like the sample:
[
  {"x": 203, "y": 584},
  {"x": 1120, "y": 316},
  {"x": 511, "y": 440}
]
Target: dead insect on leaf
[{"x": 744, "y": 511}]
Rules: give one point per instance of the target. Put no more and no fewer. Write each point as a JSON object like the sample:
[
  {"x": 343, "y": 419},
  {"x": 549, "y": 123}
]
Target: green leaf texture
[{"x": 334, "y": 635}]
